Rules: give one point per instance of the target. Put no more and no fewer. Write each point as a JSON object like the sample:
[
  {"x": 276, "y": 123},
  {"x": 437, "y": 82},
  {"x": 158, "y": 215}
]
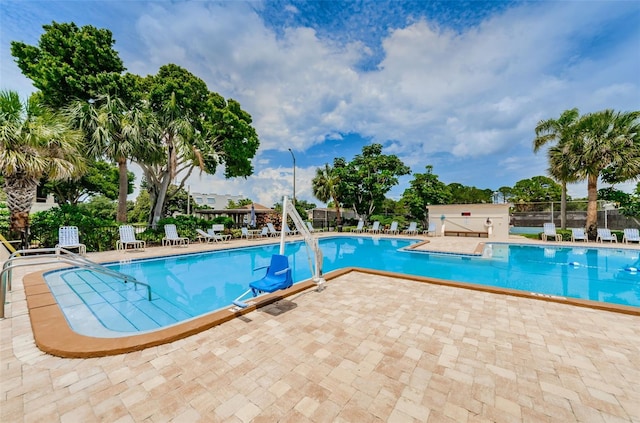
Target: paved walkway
[{"x": 367, "y": 348}]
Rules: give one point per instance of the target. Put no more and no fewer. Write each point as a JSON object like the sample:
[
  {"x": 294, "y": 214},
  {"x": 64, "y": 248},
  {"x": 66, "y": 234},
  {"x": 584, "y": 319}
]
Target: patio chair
[
  {"x": 577, "y": 234},
  {"x": 278, "y": 277},
  {"x": 359, "y": 228},
  {"x": 68, "y": 237},
  {"x": 172, "y": 238},
  {"x": 310, "y": 227},
  {"x": 205, "y": 237},
  {"x": 375, "y": 228},
  {"x": 412, "y": 229},
  {"x": 431, "y": 230},
  {"x": 549, "y": 231},
  {"x": 244, "y": 233},
  {"x": 288, "y": 231},
  {"x": 631, "y": 235},
  {"x": 128, "y": 239},
  {"x": 264, "y": 233},
  {"x": 605, "y": 234},
  {"x": 272, "y": 230},
  {"x": 393, "y": 229},
  {"x": 217, "y": 236}
]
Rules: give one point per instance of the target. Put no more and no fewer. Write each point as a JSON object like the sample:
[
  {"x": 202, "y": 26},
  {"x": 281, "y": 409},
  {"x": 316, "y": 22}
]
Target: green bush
[{"x": 96, "y": 233}]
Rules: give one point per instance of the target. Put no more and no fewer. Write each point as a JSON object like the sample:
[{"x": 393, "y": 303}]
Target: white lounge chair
[
  {"x": 128, "y": 239},
  {"x": 264, "y": 233},
  {"x": 172, "y": 238},
  {"x": 216, "y": 232},
  {"x": 412, "y": 229},
  {"x": 310, "y": 227},
  {"x": 605, "y": 234},
  {"x": 577, "y": 234},
  {"x": 288, "y": 231},
  {"x": 359, "y": 228},
  {"x": 375, "y": 228},
  {"x": 549, "y": 231},
  {"x": 205, "y": 237},
  {"x": 393, "y": 229},
  {"x": 244, "y": 233},
  {"x": 272, "y": 230},
  {"x": 431, "y": 230},
  {"x": 68, "y": 237},
  {"x": 631, "y": 235}
]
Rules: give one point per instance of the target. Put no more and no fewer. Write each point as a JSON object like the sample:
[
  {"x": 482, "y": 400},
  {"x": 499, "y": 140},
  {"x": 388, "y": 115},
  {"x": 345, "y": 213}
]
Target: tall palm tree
[
  {"x": 116, "y": 132},
  {"x": 325, "y": 187},
  {"x": 34, "y": 142},
  {"x": 606, "y": 144},
  {"x": 561, "y": 131}
]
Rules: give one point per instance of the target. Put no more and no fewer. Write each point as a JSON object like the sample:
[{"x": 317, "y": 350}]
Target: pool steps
[{"x": 55, "y": 255}]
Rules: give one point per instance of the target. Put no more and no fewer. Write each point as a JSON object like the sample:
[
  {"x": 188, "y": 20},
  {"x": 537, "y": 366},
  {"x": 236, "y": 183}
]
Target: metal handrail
[{"x": 59, "y": 255}]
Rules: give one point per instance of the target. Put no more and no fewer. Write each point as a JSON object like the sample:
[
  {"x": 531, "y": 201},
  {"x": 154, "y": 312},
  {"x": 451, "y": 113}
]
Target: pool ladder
[{"x": 54, "y": 255}]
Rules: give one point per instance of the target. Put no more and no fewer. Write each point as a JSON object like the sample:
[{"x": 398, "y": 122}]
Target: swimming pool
[{"x": 187, "y": 286}]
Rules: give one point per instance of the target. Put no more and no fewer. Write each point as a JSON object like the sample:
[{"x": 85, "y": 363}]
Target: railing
[{"x": 54, "y": 255}]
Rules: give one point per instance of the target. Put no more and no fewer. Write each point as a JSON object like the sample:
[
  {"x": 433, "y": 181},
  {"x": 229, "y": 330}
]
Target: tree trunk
[
  {"x": 338, "y": 216},
  {"x": 563, "y": 206},
  {"x": 592, "y": 207},
  {"x": 123, "y": 190},
  {"x": 20, "y": 192},
  {"x": 159, "y": 204}
]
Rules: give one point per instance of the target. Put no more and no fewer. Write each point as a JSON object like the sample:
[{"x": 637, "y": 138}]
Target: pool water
[{"x": 187, "y": 286}]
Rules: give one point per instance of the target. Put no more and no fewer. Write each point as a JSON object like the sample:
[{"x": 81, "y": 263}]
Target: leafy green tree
[
  {"x": 367, "y": 178},
  {"x": 561, "y": 131},
  {"x": 506, "y": 192},
  {"x": 101, "y": 178},
  {"x": 117, "y": 132},
  {"x": 607, "y": 145},
  {"x": 34, "y": 142},
  {"x": 70, "y": 63},
  {"x": 425, "y": 189},
  {"x": 195, "y": 129},
  {"x": 176, "y": 201},
  {"x": 613, "y": 195},
  {"x": 239, "y": 204},
  {"x": 538, "y": 189},
  {"x": 325, "y": 187},
  {"x": 141, "y": 207},
  {"x": 100, "y": 207},
  {"x": 302, "y": 206},
  {"x": 462, "y": 194},
  {"x": 632, "y": 207}
]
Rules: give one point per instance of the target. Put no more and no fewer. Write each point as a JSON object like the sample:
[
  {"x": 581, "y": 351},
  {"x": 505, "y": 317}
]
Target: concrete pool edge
[{"x": 54, "y": 336}]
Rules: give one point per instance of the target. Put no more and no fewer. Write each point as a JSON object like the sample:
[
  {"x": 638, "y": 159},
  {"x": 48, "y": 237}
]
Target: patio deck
[{"x": 367, "y": 348}]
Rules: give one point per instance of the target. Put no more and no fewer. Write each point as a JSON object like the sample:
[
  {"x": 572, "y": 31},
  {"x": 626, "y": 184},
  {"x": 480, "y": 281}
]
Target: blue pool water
[{"x": 190, "y": 285}]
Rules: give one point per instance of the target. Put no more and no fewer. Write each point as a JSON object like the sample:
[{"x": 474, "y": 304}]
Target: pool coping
[{"x": 54, "y": 336}]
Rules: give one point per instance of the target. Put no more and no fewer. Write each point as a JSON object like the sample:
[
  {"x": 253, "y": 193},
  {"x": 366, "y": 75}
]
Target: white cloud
[{"x": 468, "y": 100}]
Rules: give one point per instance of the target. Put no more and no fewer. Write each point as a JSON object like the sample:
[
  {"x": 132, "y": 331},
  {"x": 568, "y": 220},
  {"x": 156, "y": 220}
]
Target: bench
[{"x": 467, "y": 234}]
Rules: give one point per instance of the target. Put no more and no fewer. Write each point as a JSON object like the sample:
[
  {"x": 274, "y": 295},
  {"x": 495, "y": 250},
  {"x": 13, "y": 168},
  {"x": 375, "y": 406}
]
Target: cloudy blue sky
[{"x": 459, "y": 85}]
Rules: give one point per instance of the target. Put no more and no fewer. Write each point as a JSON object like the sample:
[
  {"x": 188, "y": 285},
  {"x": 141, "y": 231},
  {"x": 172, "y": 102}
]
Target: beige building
[{"x": 481, "y": 220}]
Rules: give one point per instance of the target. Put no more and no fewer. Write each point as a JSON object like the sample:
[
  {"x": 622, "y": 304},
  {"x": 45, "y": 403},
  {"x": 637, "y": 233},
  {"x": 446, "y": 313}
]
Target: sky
[{"x": 458, "y": 85}]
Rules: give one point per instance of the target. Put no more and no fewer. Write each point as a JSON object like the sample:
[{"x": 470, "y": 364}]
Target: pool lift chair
[{"x": 278, "y": 274}]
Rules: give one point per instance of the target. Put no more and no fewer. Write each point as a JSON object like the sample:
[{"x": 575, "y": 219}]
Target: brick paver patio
[{"x": 366, "y": 349}]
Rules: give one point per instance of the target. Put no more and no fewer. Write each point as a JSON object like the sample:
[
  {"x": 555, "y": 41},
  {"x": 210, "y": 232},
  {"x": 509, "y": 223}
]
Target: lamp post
[{"x": 294, "y": 176}]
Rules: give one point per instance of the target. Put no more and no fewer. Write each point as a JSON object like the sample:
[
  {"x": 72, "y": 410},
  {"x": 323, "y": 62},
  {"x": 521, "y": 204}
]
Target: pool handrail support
[
  {"x": 311, "y": 241},
  {"x": 55, "y": 255}
]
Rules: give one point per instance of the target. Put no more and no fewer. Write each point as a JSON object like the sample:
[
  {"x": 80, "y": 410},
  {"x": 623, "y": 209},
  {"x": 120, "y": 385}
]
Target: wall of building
[
  {"x": 471, "y": 218},
  {"x": 215, "y": 201}
]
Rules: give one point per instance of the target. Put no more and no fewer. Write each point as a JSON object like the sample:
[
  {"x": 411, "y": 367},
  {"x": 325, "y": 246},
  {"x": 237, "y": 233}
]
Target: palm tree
[
  {"x": 561, "y": 131},
  {"x": 115, "y": 131},
  {"x": 606, "y": 144},
  {"x": 325, "y": 186},
  {"x": 34, "y": 142}
]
